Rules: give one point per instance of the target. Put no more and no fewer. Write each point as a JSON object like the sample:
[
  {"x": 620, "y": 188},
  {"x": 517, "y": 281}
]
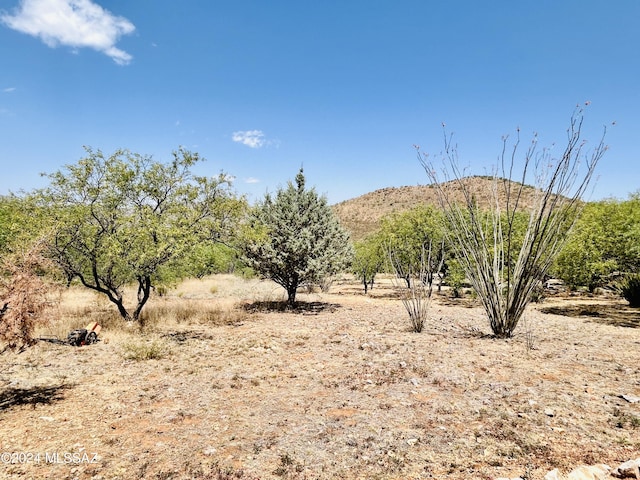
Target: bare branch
[{"x": 503, "y": 260}]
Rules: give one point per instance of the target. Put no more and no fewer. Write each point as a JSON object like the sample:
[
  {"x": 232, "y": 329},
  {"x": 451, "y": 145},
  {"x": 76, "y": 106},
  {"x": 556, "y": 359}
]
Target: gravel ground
[{"x": 340, "y": 388}]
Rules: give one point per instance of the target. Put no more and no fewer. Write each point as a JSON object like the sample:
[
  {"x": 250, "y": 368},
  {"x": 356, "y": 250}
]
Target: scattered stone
[
  {"x": 629, "y": 469},
  {"x": 209, "y": 451},
  {"x": 412, "y": 441},
  {"x": 549, "y": 412},
  {"x": 553, "y": 475},
  {"x": 415, "y": 382},
  {"x": 631, "y": 398},
  {"x": 593, "y": 472},
  {"x": 555, "y": 285},
  {"x": 48, "y": 419}
]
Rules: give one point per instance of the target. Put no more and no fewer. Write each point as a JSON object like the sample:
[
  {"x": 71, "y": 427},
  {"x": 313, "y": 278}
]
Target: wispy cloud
[
  {"x": 9, "y": 89},
  {"x": 73, "y": 23},
  {"x": 250, "y": 138},
  {"x": 251, "y": 180}
]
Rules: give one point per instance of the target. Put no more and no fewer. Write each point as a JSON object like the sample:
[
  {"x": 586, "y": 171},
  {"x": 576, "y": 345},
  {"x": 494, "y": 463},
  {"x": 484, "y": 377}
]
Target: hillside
[{"x": 362, "y": 215}]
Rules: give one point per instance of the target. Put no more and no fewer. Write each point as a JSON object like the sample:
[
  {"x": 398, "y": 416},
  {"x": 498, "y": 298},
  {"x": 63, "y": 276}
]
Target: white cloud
[
  {"x": 73, "y": 23},
  {"x": 250, "y": 138},
  {"x": 9, "y": 89},
  {"x": 251, "y": 180}
]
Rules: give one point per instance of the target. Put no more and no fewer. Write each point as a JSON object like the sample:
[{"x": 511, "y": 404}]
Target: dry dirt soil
[{"x": 337, "y": 389}]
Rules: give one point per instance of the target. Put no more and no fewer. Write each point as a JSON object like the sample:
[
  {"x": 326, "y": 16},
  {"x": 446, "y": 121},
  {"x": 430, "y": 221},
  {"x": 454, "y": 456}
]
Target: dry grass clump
[
  {"x": 193, "y": 312},
  {"x": 145, "y": 349},
  {"x": 214, "y": 301}
]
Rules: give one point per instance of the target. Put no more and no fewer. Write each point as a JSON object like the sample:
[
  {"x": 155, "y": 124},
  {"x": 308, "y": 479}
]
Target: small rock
[
  {"x": 553, "y": 475},
  {"x": 415, "y": 382},
  {"x": 629, "y": 469},
  {"x": 593, "y": 472},
  {"x": 549, "y": 412},
  {"x": 412, "y": 441},
  {"x": 631, "y": 398},
  {"x": 209, "y": 451},
  {"x": 48, "y": 419}
]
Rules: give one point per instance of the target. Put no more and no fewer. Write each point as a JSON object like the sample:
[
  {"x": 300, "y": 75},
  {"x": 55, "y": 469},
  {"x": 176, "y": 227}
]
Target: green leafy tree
[
  {"x": 296, "y": 238},
  {"x": 368, "y": 260},
  {"x": 119, "y": 219},
  {"x": 18, "y": 227},
  {"x": 6, "y": 223},
  {"x": 407, "y": 235},
  {"x": 605, "y": 240}
]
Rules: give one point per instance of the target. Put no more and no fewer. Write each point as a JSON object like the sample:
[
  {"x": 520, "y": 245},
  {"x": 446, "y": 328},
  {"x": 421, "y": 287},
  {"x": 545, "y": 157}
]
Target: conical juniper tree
[
  {"x": 504, "y": 262},
  {"x": 296, "y": 239}
]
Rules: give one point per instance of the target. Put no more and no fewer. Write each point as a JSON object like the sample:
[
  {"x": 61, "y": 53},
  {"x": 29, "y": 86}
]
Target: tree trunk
[
  {"x": 112, "y": 293},
  {"x": 144, "y": 291},
  {"x": 291, "y": 295}
]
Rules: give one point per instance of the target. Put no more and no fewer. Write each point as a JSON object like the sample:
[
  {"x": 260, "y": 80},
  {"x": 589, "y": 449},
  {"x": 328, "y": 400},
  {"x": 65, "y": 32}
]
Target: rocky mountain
[{"x": 362, "y": 215}]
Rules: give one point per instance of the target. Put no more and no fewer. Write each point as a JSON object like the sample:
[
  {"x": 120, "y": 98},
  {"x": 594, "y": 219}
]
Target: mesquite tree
[
  {"x": 368, "y": 260},
  {"x": 119, "y": 219},
  {"x": 503, "y": 264},
  {"x": 296, "y": 238}
]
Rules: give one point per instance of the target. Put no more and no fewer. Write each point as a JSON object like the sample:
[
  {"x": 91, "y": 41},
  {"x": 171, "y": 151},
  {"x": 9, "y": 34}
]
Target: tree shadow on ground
[
  {"x": 308, "y": 308},
  {"x": 616, "y": 315},
  {"x": 13, "y": 397},
  {"x": 183, "y": 336}
]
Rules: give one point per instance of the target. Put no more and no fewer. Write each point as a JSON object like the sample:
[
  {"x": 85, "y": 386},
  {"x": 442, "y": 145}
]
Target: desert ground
[{"x": 222, "y": 383}]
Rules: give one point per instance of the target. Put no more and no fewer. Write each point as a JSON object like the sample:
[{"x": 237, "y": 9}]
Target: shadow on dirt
[
  {"x": 13, "y": 397},
  {"x": 309, "y": 308},
  {"x": 181, "y": 337},
  {"x": 617, "y": 315}
]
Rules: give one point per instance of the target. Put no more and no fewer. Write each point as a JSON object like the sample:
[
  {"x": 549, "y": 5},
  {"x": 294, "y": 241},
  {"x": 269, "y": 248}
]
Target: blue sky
[{"x": 343, "y": 88}]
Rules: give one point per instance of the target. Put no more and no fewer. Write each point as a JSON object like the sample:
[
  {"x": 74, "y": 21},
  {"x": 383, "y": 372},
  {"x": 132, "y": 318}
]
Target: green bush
[{"x": 629, "y": 289}]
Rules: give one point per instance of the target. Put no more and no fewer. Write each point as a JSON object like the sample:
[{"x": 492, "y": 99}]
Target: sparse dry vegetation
[
  {"x": 338, "y": 388},
  {"x": 25, "y": 296}
]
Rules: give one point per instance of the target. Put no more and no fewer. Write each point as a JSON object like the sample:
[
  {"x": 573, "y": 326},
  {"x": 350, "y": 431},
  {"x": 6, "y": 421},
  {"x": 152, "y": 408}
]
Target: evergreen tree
[{"x": 297, "y": 239}]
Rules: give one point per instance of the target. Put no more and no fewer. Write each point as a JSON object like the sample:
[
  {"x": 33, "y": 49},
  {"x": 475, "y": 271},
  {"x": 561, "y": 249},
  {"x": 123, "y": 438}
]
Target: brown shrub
[{"x": 24, "y": 298}]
